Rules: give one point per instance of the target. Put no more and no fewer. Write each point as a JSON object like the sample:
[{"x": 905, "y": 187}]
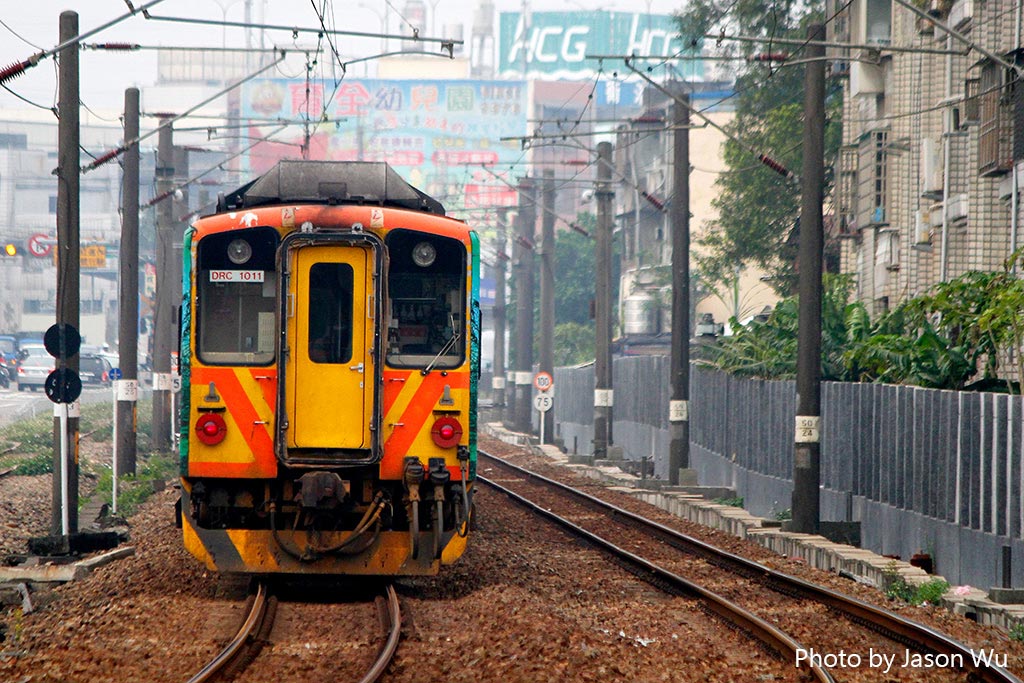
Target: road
[{"x": 19, "y": 405}]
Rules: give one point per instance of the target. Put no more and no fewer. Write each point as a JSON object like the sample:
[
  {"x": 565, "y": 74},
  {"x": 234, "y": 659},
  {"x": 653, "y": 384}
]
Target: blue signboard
[{"x": 554, "y": 45}]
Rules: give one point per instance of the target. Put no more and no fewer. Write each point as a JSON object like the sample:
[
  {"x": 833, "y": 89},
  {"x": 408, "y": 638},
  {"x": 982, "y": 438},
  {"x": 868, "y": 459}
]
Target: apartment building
[{"x": 929, "y": 175}]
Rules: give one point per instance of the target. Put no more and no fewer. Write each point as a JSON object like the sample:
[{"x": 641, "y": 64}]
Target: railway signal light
[{"x": 12, "y": 249}]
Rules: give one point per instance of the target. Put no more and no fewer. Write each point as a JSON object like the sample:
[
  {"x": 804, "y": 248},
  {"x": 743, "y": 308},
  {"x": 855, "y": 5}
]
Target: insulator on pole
[
  {"x": 657, "y": 203},
  {"x": 100, "y": 160},
  {"x": 121, "y": 47},
  {"x": 159, "y": 198},
  {"x": 769, "y": 57},
  {"x": 774, "y": 165},
  {"x": 14, "y": 70}
]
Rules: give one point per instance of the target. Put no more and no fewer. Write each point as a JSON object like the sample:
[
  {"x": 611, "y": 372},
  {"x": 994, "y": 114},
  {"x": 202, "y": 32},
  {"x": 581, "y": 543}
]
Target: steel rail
[
  {"x": 257, "y": 612},
  {"x": 760, "y": 629},
  {"x": 878, "y": 619},
  {"x": 390, "y": 646}
]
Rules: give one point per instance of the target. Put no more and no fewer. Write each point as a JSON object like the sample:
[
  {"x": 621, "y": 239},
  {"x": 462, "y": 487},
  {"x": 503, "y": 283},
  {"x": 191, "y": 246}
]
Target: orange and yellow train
[{"x": 329, "y": 359}]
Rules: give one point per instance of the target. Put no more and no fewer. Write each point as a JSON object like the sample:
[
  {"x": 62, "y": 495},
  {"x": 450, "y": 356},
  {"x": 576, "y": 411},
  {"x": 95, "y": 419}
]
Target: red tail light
[
  {"x": 211, "y": 429},
  {"x": 446, "y": 432}
]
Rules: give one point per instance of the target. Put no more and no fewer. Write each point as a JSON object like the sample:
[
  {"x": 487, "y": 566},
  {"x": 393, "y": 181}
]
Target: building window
[
  {"x": 995, "y": 124},
  {"x": 872, "y": 179}
]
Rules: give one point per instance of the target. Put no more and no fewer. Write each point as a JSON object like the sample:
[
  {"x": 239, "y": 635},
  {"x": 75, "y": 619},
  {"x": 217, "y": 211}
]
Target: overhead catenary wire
[
  {"x": 170, "y": 121},
  {"x": 445, "y": 43},
  {"x": 762, "y": 157},
  {"x": 181, "y": 186},
  {"x": 18, "y": 68}
]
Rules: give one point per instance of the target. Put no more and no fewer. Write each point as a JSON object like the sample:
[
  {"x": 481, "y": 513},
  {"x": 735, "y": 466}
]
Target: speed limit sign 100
[{"x": 543, "y": 381}]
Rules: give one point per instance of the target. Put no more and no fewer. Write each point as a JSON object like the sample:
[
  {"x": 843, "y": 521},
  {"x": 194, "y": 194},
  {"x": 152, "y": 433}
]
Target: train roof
[{"x": 294, "y": 181}]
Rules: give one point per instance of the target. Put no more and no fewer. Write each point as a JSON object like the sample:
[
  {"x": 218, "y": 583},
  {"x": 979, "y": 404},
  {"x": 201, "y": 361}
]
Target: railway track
[
  {"x": 796, "y": 600},
  {"x": 243, "y": 648}
]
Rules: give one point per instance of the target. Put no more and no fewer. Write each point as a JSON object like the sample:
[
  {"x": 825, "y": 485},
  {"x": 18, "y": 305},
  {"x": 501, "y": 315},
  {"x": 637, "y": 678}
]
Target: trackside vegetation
[{"x": 965, "y": 333}]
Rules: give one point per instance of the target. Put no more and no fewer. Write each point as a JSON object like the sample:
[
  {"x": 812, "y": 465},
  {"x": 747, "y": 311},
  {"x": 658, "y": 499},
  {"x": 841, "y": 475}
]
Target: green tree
[
  {"x": 757, "y": 207},
  {"x": 768, "y": 348},
  {"x": 574, "y": 273},
  {"x": 574, "y": 291},
  {"x": 942, "y": 339}
]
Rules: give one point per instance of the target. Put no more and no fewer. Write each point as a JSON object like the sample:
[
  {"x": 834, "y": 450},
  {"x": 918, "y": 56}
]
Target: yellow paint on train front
[{"x": 330, "y": 402}]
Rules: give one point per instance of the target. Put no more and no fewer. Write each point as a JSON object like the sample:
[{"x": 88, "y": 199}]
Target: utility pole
[
  {"x": 806, "y": 460},
  {"x": 64, "y": 512},
  {"x": 128, "y": 295},
  {"x": 498, "y": 381},
  {"x": 679, "y": 403},
  {"x": 180, "y": 216},
  {"x": 523, "y": 256},
  {"x": 603, "y": 394},
  {"x": 547, "y": 293},
  {"x": 166, "y": 292}
]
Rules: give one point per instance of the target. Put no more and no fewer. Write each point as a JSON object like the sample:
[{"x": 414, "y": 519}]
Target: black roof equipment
[{"x": 294, "y": 181}]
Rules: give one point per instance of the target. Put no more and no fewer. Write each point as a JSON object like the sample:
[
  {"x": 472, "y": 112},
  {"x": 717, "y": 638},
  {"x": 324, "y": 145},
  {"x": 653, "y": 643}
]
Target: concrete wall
[{"x": 923, "y": 470}]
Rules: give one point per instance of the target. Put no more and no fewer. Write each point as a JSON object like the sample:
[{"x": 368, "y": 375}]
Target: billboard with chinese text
[{"x": 444, "y": 137}]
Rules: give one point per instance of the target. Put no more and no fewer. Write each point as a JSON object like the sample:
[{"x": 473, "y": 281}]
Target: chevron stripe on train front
[
  {"x": 408, "y": 412},
  {"x": 247, "y": 397}
]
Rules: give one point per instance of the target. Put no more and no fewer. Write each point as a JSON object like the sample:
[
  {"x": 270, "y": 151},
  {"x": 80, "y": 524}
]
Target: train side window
[
  {"x": 427, "y": 289},
  {"x": 236, "y": 293},
  {"x": 330, "y": 313}
]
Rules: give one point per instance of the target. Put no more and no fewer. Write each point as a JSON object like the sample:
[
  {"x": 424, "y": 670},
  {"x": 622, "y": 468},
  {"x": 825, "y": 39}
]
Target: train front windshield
[
  {"x": 236, "y": 285},
  {"x": 427, "y": 287}
]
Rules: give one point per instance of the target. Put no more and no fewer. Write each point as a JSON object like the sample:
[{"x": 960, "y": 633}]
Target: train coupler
[{"x": 321, "y": 490}]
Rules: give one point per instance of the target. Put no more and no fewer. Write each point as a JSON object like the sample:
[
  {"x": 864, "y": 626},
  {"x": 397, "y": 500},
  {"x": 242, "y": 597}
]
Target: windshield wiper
[{"x": 448, "y": 346}]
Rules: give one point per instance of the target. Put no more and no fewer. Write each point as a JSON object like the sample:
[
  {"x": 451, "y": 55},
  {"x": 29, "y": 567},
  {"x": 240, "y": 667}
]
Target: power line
[
  {"x": 445, "y": 43},
  {"x": 18, "y": 68}
]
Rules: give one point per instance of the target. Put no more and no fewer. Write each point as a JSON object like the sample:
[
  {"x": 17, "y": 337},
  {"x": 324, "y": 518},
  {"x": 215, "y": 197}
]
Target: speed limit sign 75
[
  {"x": 543, "y": 381},
  {"x": 543, "y": 402}
]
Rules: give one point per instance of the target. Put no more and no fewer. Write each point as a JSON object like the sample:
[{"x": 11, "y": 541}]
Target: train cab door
[{"x": 329, "y": 368}]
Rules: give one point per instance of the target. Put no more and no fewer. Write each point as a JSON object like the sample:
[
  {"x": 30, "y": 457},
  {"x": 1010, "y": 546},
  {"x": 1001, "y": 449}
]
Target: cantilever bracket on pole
[{"x": 763, "y": 158}]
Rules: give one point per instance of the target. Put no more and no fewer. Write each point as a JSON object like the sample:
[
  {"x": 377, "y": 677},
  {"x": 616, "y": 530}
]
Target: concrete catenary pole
[
  {"x": 806, "y": 459},
  {"x": 65, "y": 519},
  {"x": 166, "y": 293},
  {"x": 523, "y": 256},
  {"x": 128, "y": 292},
  {"x": 500, "y": 262},
  {"x": 603, "y": 394},
  {"x": 678, "y": 412},
  {"x": 547, "y": 292}
]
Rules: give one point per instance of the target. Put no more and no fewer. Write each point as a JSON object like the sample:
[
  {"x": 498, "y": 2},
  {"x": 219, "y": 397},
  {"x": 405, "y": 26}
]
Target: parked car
[
  {"x": 34, "y": 365},
  {"x": 93, "y": 368}
]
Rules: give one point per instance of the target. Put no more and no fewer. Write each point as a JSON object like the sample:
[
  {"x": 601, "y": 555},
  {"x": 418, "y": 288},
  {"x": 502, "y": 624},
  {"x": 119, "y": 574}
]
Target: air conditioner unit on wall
[
  {"x": 931, "y": 169},
  {"x": 922, "y": 227},
  {"x": 961, "y": 14},
  {"x": 956, "y": 209}
]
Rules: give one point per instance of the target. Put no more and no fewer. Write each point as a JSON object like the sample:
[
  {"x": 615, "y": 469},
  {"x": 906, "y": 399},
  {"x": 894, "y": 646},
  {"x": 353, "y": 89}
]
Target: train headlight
[
  {"x": 446, "y": 432},
  {"x": 211, "y": 429},
  {"x": 239, "y": 251},
  {"x": 423, "y": 254}
]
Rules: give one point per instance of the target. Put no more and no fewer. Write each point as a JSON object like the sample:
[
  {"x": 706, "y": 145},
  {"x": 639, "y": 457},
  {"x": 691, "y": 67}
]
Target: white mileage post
[{"x": 545, "y": 400}]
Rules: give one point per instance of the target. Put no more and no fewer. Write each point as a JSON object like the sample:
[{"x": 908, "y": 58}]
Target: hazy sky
[{"x": 33, "y": 25}]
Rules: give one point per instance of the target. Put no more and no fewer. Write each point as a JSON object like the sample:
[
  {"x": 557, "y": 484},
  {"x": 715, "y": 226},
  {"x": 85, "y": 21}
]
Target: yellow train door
[{"x": 330, "y": 328}]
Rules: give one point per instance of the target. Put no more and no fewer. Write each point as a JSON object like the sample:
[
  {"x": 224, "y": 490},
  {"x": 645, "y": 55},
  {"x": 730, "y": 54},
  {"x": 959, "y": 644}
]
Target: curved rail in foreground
[
  {"x": 881, "y": 620},
  {"x": 387, "y": 650},
  {"x": 763, "y": 631},
  {"x": 252, "y": 623}
]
